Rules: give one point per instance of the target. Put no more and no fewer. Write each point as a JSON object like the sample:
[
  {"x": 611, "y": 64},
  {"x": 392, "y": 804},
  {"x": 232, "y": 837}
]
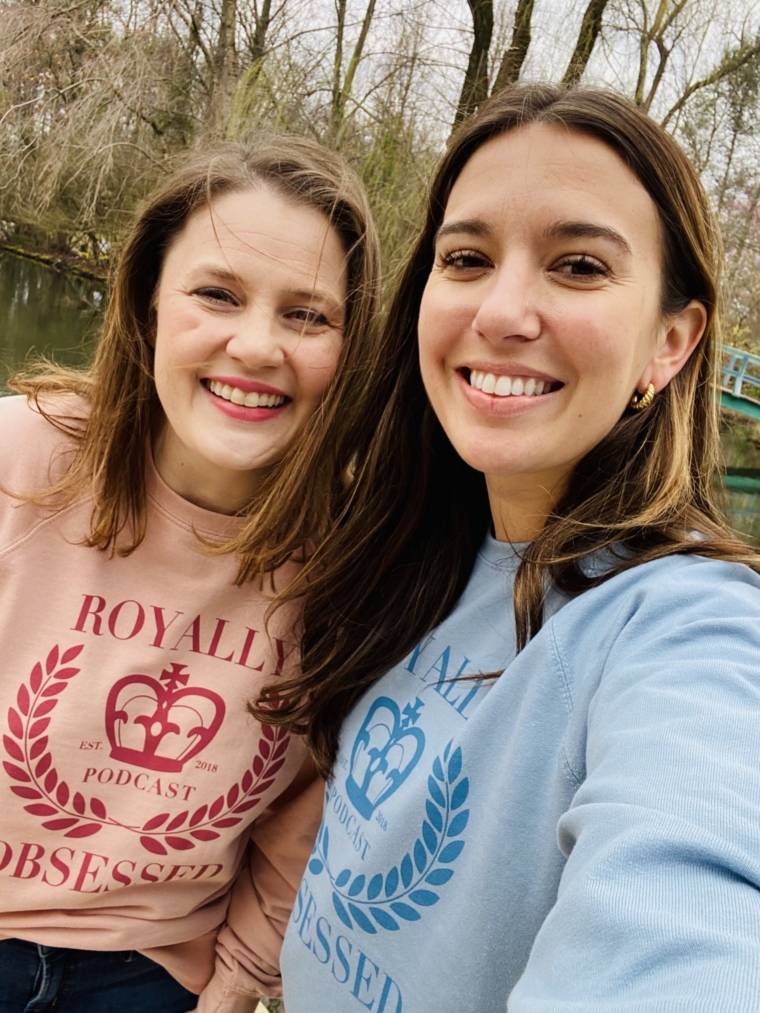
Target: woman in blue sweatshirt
[{"x": 531, "y": 659}]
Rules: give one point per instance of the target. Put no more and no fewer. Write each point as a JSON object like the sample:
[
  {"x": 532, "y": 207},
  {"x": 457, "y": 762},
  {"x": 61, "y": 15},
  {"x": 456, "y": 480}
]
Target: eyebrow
[
  {"x": 308, "y": 295},
  {"x": 480, "y": 229},
  {"x": 217, "y": 272},
  {"x": 476, "y": 227},
  {"x": 586, "y": 230},
  {"x": 314, "y": 295}
]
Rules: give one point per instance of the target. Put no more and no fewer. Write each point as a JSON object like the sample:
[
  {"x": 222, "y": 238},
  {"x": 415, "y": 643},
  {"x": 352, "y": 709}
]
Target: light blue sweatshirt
[{"x": 580, "y": 835}]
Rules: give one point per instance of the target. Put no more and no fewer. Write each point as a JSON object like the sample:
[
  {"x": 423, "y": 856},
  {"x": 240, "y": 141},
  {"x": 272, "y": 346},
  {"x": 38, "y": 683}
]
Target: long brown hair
[
  {"x": 113, "y": 431},
  {"x": 405, "y": 545}
]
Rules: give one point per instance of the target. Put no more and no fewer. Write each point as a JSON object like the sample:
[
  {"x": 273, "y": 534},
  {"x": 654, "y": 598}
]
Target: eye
[
  {"x": 308, "y": 317},
  {"x": 213, "y": 294},
  {"x": 464, "y": 260},
  {"x": 581, "y": 265}
]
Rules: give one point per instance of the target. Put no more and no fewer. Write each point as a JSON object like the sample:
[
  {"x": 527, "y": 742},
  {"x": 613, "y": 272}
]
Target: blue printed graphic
[
  {"x": 386, "y": 899},
  {"x": 386, "y": 750}
]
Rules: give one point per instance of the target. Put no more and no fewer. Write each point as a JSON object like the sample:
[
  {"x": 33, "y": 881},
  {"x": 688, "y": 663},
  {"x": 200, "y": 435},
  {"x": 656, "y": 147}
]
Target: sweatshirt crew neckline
[
  {"x": 182, "y": 512},
  {"x": 502, "y": 554}
]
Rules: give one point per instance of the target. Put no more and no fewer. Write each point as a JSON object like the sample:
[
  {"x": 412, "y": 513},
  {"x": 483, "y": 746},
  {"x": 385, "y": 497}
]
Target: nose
[
  {"x": 258, "y": 340},
  {"x": 509, "y": 308}
]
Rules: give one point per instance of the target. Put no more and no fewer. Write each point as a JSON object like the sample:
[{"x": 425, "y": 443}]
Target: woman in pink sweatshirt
[{"x": 153, "y": 833}]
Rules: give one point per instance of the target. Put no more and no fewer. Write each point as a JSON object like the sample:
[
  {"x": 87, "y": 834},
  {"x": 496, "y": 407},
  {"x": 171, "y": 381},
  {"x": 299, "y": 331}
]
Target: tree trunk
[
  {"x": 340, "y": 99},
  {"x": 337, "y": 82},
  {"x": 514, "y": 57},
  {"x": 259, "y": 48},
  {"x": 475, "y": 87},
  {"x": 225, "y": 60},
  {"x": 244, "y": 97},
  {"x": 590, "y": 28}
]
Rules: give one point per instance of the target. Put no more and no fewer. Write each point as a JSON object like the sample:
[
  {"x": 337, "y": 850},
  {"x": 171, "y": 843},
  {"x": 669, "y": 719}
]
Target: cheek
[
  {"x": 605, "y": 347},
  {"x": 433, "y": 331},
  {"x": 446, "y": 315},
  {"x": 316, "y": 364},
  {"x": 182, "y": 334}
]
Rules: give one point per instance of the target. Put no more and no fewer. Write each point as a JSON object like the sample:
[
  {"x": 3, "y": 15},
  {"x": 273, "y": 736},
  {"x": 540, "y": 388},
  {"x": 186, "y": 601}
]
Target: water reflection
[{"x": 42, "y": 311}]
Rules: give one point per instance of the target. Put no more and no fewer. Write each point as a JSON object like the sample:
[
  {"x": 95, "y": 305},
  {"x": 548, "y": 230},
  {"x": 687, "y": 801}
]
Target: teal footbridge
[
  {"x": 740, "y": 392},
  {"x": 740, "y": 382}
]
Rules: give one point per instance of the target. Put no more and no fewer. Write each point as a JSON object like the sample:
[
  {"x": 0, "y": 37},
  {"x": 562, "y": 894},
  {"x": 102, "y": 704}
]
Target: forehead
[
  {"x": 550, "y": 172},
  {"x": 258, "y": 229}
]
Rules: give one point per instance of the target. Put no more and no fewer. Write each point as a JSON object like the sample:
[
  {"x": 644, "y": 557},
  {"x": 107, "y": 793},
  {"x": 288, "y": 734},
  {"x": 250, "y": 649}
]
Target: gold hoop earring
[{"x": 640, "y": 401}]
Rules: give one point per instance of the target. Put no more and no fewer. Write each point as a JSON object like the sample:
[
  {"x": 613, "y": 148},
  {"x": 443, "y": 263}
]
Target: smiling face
[
  {"x": 249, "y": 311},
  {"x": 542, "y": 315}
]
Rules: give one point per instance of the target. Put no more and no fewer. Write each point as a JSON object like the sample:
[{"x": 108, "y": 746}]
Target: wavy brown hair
[
  {"x": 112, "y": 434},
  {"x": 404, "y": 545}
]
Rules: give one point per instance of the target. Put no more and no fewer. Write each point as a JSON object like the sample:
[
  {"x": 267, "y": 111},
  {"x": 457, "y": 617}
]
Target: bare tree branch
[{"x": 730, "y": 63}]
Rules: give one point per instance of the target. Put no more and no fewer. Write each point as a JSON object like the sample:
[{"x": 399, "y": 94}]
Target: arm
[
  {"x": 248, "y": 947},
  {"x": 658, "y": 910}
]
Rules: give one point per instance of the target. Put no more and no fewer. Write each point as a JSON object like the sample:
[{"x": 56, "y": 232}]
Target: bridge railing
[{"x": 740, "y": 375}]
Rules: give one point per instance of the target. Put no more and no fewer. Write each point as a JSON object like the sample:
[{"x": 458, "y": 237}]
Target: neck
[
  {"x": 520, "y": 505},
  {"x": 198, "y": 481}
]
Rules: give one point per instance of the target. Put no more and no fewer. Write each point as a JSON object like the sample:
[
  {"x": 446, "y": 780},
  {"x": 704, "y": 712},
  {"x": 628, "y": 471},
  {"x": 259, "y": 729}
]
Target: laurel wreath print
[
  {"x": 399, "y": 894},
  {"x": 31, "y": 765}
]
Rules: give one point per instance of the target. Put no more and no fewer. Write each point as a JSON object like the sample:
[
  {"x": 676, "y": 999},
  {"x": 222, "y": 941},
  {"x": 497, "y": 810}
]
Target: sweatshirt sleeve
[
  {"x": 248, "y": 947},
  {"x": 658, "y": 909},
  {"x": 33, "y": 455}
]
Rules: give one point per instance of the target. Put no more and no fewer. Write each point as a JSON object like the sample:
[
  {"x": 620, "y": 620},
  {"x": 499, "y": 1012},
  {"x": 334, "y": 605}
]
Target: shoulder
[
  {"x": 34, "y": 450},
  {"x": 689, "y": 586},
  {"x": 675, "y": 639},
  {"x": 669, "y": 589},
  {"x": 681, "y": 604}
]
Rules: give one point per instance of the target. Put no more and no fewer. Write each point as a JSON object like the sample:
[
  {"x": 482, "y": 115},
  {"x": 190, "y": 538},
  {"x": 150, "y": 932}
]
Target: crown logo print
[
  {"x": 161, "y": 723},
  {"x": 386, "y": 750}
]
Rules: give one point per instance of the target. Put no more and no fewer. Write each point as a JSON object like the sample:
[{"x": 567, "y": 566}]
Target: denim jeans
[{"x": 36, "y": 978}]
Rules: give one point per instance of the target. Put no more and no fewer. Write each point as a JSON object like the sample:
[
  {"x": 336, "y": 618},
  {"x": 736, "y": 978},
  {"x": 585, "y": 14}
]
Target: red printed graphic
[
  {"x": 32, "y": 764},
  {"x": 170, "y": 725}
]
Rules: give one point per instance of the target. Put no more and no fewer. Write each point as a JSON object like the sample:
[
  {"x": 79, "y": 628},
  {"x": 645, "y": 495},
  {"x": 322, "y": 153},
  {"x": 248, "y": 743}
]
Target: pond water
[{"x": 46, "y": 312}]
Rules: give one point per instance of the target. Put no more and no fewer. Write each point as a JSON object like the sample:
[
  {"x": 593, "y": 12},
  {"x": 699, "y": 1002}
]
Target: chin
[
  {"x": 498, "y": 467},
  {"x": 247, "y": 464},
  {"x": 494, "y": 461}
]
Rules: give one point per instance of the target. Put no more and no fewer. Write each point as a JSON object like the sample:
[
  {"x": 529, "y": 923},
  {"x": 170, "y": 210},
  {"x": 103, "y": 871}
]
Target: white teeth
[
  {"x": 503, "y": 386},
  {"x": 252, "y": 399}
]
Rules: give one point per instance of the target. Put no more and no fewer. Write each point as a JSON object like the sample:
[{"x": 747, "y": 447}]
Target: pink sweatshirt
[{"x": 133, "y": 778}]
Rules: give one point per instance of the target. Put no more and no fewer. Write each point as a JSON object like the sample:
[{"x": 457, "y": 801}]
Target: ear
[{"x": 680, "y": 335}]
